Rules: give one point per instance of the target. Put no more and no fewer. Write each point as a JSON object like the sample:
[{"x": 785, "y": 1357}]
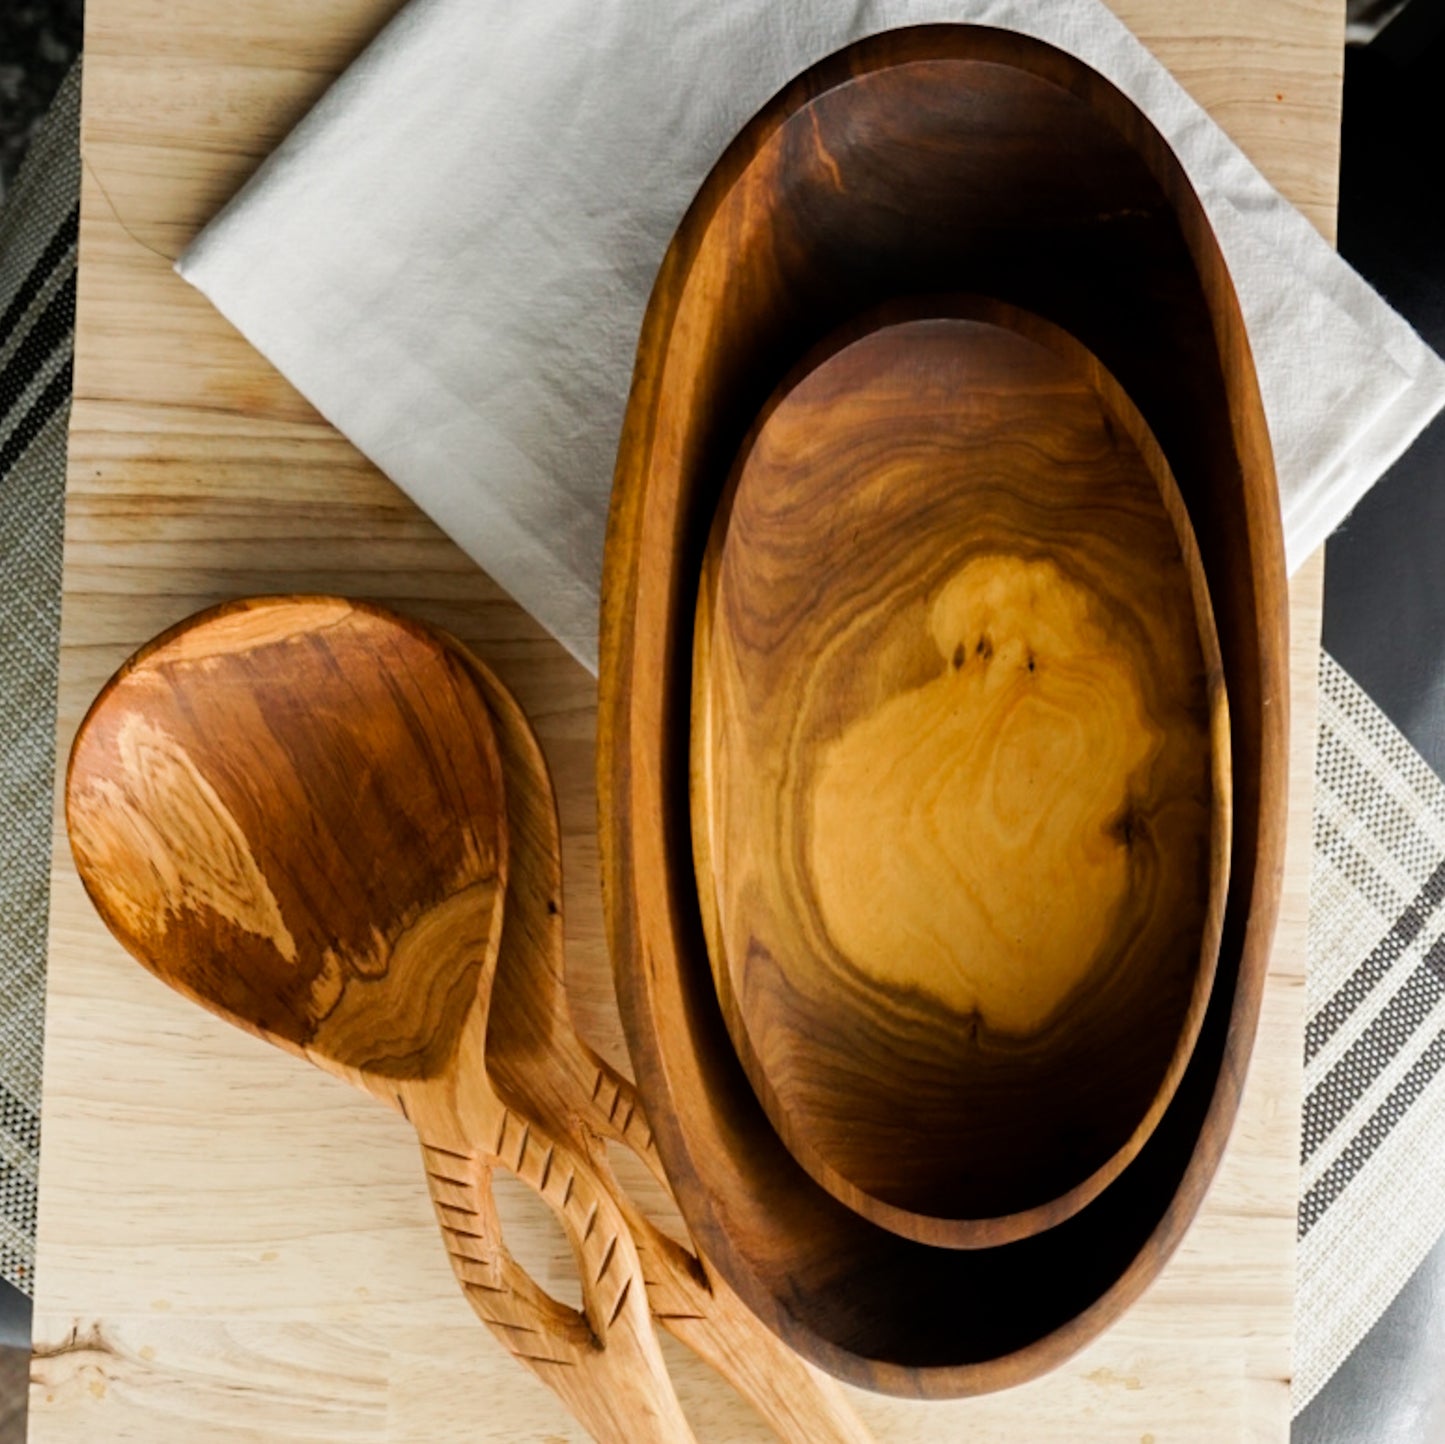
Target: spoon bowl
[{"x": 292, "y": 812}]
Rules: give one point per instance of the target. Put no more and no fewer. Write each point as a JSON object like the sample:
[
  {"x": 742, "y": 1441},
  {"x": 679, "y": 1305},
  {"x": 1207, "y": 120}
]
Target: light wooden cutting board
[{"x": 234, "y": 1248}]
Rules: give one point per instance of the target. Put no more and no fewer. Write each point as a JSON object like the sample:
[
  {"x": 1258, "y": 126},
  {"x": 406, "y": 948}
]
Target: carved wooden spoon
[
  {"x": 291, "y": 810},
  {"x": 536, "y": 1055},
  {"x": 365, "y": 756}
]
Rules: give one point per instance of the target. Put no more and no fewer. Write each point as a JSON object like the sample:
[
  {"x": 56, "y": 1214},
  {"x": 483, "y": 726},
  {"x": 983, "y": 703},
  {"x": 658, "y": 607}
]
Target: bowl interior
[{"x": 960, "y": 781}]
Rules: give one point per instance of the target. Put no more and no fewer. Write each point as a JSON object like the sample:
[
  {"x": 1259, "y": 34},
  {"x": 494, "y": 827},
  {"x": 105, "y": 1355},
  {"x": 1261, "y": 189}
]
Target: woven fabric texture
[
  {"x": 1372, "y": 1185},
  {"x": 38, "y": 229}
]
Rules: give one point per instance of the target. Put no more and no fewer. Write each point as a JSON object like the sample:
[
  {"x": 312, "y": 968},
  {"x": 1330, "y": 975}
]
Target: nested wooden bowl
[
  {"x": 960, "y": 771},
  {"x": 936, "y": 160}
]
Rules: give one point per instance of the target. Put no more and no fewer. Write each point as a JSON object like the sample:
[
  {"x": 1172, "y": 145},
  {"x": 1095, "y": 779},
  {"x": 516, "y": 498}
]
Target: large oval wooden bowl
[
  {"x": 933, "y": 160},
  {"x": 960, "y": 771}
]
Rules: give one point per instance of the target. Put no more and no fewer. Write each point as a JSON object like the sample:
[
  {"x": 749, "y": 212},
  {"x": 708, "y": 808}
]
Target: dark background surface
[
  {"x": 38, "y": 41},
  {"x": 1385, "y": 569}
]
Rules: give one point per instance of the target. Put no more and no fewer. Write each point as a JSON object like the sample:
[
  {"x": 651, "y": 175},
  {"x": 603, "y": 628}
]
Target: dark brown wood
[
  {"x": 934, "y": 160},
  {"x": 218, "y": 791},
  {"x": 960, "y": 771}
]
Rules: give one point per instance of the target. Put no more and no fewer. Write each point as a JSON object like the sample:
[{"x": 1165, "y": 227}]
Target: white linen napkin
[{"x": 451, "y": 254}]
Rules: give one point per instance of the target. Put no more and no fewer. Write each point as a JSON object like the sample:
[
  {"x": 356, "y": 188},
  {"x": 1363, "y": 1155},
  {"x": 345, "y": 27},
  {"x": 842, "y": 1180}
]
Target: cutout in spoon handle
[
  {"x": 602, "y": 1361},
  {"x": 697, "y": 1307}
]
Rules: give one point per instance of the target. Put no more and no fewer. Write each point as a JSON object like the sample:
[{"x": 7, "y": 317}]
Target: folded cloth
[{"x": 457, "y": 281}]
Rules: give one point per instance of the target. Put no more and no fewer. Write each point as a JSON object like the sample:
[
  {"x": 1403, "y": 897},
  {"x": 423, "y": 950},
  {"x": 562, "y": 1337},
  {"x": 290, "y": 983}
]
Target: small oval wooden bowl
[
  {"x": 960, "y": 783},
  {"x": 927, "y": 161}
]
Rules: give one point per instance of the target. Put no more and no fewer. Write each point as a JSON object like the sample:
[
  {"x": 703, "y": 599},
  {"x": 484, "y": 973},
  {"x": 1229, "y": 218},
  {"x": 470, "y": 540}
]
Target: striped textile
[
  {"x": 38, "y": 229},
  {"x": 1372, "y": 1184}
]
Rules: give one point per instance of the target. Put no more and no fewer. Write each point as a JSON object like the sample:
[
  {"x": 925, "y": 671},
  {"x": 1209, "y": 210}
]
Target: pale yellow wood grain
[{"x": 233, "y": 1247}]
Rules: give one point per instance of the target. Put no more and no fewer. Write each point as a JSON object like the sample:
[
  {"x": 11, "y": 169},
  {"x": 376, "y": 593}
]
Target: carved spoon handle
[
  {"x": 604, "y": 1362},
  {"x": 696, "y": 1306}
]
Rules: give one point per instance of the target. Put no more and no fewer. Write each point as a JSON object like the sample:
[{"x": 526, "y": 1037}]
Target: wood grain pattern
[
  {"x": 293, "y": 813},
  {"x": 293, "y": 1289},
  {"x": 960, "y": 781},
  {"x": 934, "y": 160}
]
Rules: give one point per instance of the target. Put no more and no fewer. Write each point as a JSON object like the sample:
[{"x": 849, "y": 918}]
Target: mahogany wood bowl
[
  {"x": 960, "y": 771},
  {"x": 934, "y": 160}
]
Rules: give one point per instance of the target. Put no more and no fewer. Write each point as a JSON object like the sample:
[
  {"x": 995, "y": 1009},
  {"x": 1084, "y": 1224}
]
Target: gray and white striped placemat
[
  {"x": 1372, "y": 1185},
  {"x": 38, "y": 230}
]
